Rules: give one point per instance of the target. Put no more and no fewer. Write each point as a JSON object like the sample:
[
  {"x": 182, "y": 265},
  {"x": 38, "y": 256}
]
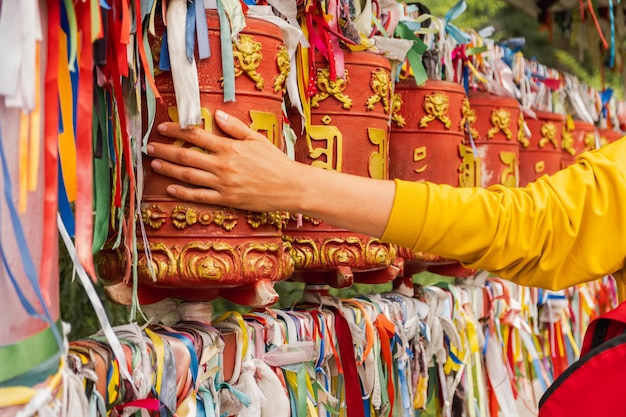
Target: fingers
[
  {"x": 235, "y": 127},
  {"x": 186, "y": 174},
  {"x": 197, "y": 195}
]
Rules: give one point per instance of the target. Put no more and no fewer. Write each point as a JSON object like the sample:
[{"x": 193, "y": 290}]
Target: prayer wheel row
[{"x": 357, "y": 124}]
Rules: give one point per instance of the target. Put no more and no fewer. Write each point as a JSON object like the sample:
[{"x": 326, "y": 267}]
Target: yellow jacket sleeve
[{"x": 560, "y": 230}]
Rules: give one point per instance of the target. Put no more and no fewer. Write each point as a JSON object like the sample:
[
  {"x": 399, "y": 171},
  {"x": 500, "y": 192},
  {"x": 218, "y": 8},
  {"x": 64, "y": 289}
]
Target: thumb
[{"x": 235, "y": 127}]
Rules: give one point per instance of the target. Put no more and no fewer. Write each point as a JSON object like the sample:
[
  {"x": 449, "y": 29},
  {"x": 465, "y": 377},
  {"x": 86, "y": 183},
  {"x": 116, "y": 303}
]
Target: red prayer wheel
[
  {"x": 348, "y": 132},
  {"x": 200, "y": 252},
  {"x": 542, "y": 154},
  {"x": 427, "y": 128},
  {"x": 426, "y": 144},
  {"x": 582, "y": 138},
  {"x": 497, "y": 134}
]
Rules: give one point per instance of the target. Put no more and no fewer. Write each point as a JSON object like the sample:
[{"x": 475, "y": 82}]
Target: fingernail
[
  {"x": 221, "y": 115},
  {"x": 156, "y": 165},
  {"x": 149, "y": 149},
  {"x": 171, "y": 190},
  {"x": 162, "y": 127}
]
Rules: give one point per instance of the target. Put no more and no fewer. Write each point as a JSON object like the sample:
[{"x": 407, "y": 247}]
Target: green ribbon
[
  {"x": 102, "y": 175},
  {"x": 414, "y": 55},
  {"x": 25, "y": 358}
]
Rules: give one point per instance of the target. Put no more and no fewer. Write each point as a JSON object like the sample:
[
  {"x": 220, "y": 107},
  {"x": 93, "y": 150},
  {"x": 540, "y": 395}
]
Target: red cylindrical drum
[
  {"x": 496, "y": 136},
  {"x": 543, "y": 153},
  {"x": 582, "y": 138},
  {"x": 349, "y": 133},
  {"x": 200, "y": 252},
  {"x": 426, "y": 144},
  {"x": 427, "y": 128}
]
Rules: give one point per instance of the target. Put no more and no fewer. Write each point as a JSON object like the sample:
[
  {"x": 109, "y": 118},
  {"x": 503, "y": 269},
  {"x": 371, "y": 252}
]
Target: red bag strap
[{"x": 605, "y": 327}]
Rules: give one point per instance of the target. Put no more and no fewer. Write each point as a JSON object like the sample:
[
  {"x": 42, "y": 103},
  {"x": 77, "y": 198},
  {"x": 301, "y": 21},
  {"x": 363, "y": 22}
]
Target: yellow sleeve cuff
[{"x": 408, "y": 213}]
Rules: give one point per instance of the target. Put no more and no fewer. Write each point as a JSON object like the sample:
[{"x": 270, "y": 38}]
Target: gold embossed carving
[
  {"x": 548, "y": 135},
  {"x": 330, "y": 156},
  {"x": 154, "y": 216},
  {"x": 509, "y": 175},
  {"x": 328, "y": 88},
  {"x": 248, "y": 56},
  {"x": 568, "y": 142},
  {"x": 381, "y": 85},
  {"x": 468, "y": 118},
  {"x": 521, "y": 131},
  {"x": 265, "y": 122},
  {"x": 590, "y": 141},
  {"x": 396, "y": 107},
  {"x": 356, "y": 252},
  {"x": 284, "y": 66},
  {"x": 377, "y": 162},
  {"x": 469, "y": 170},
  {"x": 419, "y": 154},
  {"x": 278, "y": 219},
  {"x": 500, "y": 120},
  {"x": 436, "y": 108}
]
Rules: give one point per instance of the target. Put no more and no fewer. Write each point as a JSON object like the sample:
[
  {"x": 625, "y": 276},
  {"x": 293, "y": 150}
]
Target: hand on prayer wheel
[{"x": 198, "y": 252}]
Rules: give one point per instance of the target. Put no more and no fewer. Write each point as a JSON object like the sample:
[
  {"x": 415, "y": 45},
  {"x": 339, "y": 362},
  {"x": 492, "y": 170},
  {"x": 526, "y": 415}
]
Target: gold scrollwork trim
[
  {"x": 380, "y": 82},
  {"x": 436, "y": 108},
  {"x": 521, "y": 131},
  {"x": 468, "y": 118},
  {"x": 396, "y": 107},
  {"x": 328, "y": 88},
  {"x": 273, "y": 218},
  {"x": 568, "y": 142},
  {"x": 284, "y": 66},
  {"x": 154, "y": 216}
]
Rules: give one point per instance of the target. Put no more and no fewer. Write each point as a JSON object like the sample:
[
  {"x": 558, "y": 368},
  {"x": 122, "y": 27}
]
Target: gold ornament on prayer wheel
[{"x": 199, "y": 252}]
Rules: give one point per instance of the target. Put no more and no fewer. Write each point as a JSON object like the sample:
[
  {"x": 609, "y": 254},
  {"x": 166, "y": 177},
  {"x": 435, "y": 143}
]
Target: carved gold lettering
[
  {"x": 333, "y": 152},
  {"x": 265, "y": 122},
  {"x": 540, "y": 166},
  {"x": 469, "y": 170},
  {"x": 377, "y": 163},
  {"x": 419, "y": 154},
  {"x": 205, "y": 114},
  {"x": 509, "y": 176}
]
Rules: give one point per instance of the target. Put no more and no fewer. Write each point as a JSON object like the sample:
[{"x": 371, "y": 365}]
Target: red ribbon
[
  {"x": 51, "y": 149},
  {"x": 84, "y": 145}
]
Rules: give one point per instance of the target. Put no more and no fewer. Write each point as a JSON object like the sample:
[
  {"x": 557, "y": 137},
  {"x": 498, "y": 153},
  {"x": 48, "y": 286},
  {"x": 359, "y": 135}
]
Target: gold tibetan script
[{"x": 332, "y": 152}]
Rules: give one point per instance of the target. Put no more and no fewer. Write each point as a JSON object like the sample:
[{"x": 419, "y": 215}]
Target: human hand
[{"x": 245, "y": 171}]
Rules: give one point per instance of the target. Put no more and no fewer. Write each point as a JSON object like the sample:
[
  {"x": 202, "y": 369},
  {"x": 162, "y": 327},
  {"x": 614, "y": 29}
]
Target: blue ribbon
[
  {"x": 457, "y": 34},
  {"x": 27, "y": 261},
  {"x": 192, "y": 353},
  {"x": 202, "y": 31},
  {"x": 164, "y": 56},
  {"x": 612, "y": 21},
  {"x": 190, "y": 29}
]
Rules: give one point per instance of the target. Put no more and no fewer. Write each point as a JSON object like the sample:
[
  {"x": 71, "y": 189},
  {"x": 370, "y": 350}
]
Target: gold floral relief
[
  {"x": 328, "y": 88},
  {"x": 436, "y": 108},
  {"x": 380, "y": 82},
  {"x": 154, "y": 216},
  {"x": 521, "y": 131},
  {"x": 304, "y": 252},
  {"x": 207, "y": 261},
  {"x": 163, "y": 262},
  {"x": 468, "y": 118},
  {"x": 284, "y": 66},
  {"x": 548, "y": 135},
  {"x": 501, "y": 122},
  {"x": 568, "y": 142},
  {"x": 396, "y": 107}
]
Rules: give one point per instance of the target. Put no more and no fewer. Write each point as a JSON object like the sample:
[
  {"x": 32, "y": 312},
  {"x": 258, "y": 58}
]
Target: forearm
[{"x": 355, "y": 203}]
